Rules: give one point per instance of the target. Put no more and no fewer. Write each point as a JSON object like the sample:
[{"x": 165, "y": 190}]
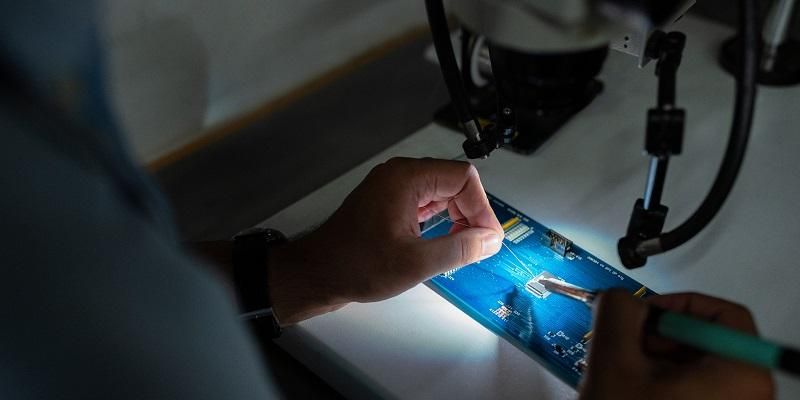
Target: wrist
[
  {"x": 297, "y": 290},
  {"x": 251, "y": 250}
]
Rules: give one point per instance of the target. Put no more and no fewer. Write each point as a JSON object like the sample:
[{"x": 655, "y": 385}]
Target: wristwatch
[{"x": 251, "y": 249}]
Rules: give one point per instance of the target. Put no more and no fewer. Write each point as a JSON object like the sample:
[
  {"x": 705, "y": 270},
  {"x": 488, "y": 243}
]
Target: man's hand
[
  {"x": 370, "y": 249},
  {"x": 626, "y": 364}
]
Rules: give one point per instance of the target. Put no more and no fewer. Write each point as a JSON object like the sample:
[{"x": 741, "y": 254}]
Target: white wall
[{"x": 178, "y": 67}]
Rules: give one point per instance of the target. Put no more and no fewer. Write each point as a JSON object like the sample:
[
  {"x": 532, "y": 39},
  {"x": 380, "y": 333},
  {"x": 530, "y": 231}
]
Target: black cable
[
  {"x": 737, "y": 144},
  {"x": 667, "y": 77},
  {"x": 466, "y": 56},
  {"x": 440, "y": 32}
]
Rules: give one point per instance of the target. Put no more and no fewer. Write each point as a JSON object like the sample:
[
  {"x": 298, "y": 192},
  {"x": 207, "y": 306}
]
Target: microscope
[{"x": 537, "y": 62}]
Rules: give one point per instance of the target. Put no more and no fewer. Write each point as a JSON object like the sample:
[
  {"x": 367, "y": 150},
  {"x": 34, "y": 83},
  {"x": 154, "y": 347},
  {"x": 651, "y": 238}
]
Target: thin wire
[{"x": 525, "y": 267}]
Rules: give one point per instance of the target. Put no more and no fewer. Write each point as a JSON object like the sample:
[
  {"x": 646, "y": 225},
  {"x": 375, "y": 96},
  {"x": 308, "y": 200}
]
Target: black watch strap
[{"x": 250, "y": 271}]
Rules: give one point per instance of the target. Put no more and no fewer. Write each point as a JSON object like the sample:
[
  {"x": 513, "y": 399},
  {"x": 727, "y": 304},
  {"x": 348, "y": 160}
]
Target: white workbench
[{"x": 583, "y": 183}]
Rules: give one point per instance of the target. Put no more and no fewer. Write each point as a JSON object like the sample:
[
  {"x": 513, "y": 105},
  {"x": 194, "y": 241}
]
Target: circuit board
[{"x": 502, "y": 292}]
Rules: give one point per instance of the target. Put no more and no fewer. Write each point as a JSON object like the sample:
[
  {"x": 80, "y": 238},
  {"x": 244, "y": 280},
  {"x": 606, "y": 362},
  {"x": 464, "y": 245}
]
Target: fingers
[
  {"x": 455, "y": 182},
  {"x": 619, "y": 330},
  {"x": 701, "y": 306},
  {"x": 444, "y": 253},
  {"x": 620, "y": 319},
  {"x": 709, "y": 308},
  {"x": 426, "y": 211},
  {"x": 620, "y": 368},
  {"x": 403, "y": 192}
]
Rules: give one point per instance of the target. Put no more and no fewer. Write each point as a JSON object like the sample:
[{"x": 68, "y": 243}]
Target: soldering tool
[{"x": 702, "y": 335}]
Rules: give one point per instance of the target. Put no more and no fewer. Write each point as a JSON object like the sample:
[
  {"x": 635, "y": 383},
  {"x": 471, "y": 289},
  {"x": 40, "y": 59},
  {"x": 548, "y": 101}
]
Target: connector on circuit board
[
  {"x": 535, "y": 287},
  {"x": 559, "y": 243}
]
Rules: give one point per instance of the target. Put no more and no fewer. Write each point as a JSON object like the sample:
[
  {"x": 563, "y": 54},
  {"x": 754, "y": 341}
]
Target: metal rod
[
  {"x": 569, "y": 290},
  {"x": 776, "y": 28},
  {"x": 656, "y": 175}
]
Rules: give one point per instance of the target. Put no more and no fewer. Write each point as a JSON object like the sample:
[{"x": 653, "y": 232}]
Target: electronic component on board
[
  {"x": 502, "y": 312},
  {"x": 581, "y": 365},
  {"x": 587, "y": 337},
  {"x": 516, "y": 231},
  {"x": 449, "y": 273},
  {"x": 511, "y": 222},
  {"x": 535, "y": 287},
  {"x": 559, "y": 243}
]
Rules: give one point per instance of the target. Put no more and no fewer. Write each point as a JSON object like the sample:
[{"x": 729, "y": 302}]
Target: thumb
[
  {"x": 619, "y": 333},
  {"x": 458, "y": 249}
]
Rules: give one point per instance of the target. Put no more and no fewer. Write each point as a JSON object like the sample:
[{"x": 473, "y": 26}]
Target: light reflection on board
[{"x": 502, "y": 293}]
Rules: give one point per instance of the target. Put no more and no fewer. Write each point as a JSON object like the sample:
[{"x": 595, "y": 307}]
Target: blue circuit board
[{"x": 502, "y": 293}]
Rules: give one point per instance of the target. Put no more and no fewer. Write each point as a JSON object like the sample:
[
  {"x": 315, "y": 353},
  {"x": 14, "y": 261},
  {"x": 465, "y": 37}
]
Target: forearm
[{"x": 294, "y": 294}]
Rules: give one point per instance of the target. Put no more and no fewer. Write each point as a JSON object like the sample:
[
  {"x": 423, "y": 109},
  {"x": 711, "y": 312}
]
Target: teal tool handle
[{"x": 716, "y": 339}]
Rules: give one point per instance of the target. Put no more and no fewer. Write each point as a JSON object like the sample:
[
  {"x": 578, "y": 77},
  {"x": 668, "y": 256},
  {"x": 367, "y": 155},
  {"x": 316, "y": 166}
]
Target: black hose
[
  {"x": 440, "y": 32},
  {"x": 740, "y": 132}
]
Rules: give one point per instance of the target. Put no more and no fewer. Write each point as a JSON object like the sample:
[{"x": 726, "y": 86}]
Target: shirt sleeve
[{"x": 97, "y": 302}]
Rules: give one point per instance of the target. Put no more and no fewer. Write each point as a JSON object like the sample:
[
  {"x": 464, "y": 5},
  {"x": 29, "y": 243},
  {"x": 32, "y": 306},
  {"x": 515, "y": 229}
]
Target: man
[{"x": 99, "y": 300}]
